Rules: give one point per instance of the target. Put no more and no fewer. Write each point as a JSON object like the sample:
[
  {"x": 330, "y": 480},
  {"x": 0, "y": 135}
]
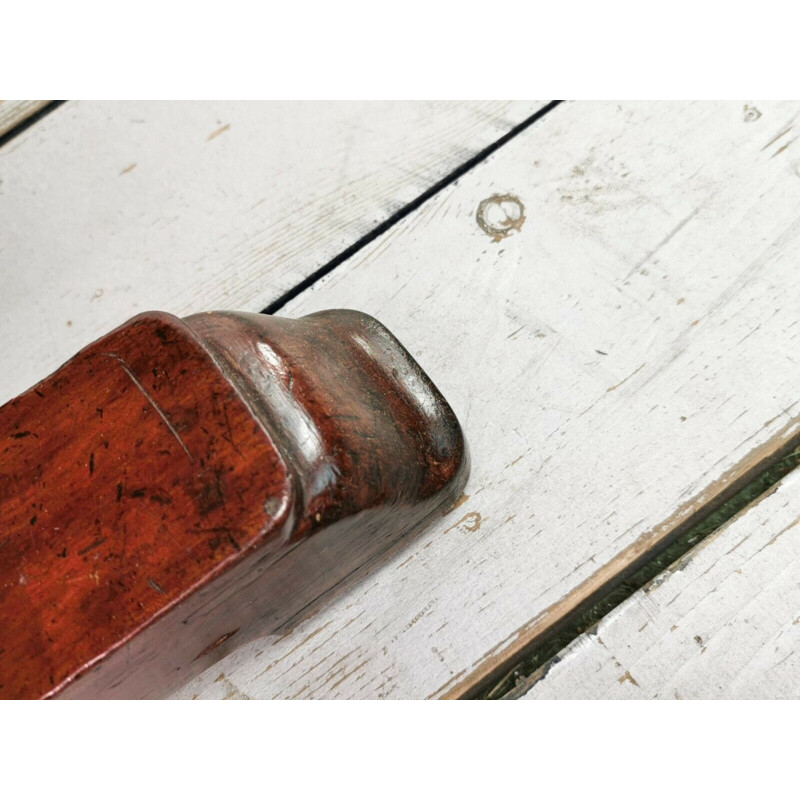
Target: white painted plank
[
  {"x": 109, "y": 209},
  {"x": 12, "y": 112},
  {"x": 623, "y": 356},
  {"x": 724, "y": 623}
]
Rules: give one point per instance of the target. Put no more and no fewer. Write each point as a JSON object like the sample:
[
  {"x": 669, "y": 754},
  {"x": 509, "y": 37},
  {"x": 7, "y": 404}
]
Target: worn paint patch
[
  {"x": 627, "y": 678},
  {"x": 751, "y": 114},
  {"x": 471, "y": 522}
]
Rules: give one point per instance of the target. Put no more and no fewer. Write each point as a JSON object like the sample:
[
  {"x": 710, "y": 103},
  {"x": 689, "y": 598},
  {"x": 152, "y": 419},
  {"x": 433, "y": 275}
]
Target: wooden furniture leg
[{"x": 181, "y": 486}]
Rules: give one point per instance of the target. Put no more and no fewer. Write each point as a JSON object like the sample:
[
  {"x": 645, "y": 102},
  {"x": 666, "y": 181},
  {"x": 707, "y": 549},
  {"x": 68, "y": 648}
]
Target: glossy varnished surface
[
  {"x": 181, "y": 486},
  {"x": 360, "y": 423}
]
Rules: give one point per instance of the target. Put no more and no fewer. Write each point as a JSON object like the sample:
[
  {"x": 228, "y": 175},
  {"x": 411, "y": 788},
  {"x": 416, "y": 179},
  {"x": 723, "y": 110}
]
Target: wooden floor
[
  {"x": 607, "y": 294},
  {"x": 721, "y": 623},
  {"x": 14, "y": 112}
]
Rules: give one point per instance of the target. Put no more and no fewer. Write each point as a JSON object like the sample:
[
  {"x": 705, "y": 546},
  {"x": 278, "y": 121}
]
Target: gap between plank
[
  {"x": 558, "y": 625},
  {"x": 26, "y": 123},
  {"x": 310, "y": 280},
  {"x": 529, "y": 672}
]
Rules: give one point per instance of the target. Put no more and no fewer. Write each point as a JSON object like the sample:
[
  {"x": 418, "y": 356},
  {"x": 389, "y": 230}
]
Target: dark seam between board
[
  {"x": 26, "y": 123},
  {"x": 452, "y": 177},
  {"x": 523, "y": 673}
]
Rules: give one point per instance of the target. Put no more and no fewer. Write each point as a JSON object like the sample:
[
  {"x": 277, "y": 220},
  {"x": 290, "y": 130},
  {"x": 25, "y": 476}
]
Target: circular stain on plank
[{"x": 499, "y": 215}]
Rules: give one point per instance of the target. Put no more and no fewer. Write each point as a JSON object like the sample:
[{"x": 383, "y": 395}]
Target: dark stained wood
[{"x": 182, "y": 486}]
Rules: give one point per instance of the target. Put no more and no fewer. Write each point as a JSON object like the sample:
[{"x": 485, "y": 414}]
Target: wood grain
[
  {"x": 621, "y": 358},
  {"x": 122, "y": 490},
  {"x": 12, "y": 112},
  {"x": 110, "y": 209},
  {"x": 724, "y": 622},
  {"x": 180, "y": 487}
]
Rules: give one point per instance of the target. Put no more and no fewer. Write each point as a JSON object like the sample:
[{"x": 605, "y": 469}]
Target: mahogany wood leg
[{"x": 182, "y": 486}]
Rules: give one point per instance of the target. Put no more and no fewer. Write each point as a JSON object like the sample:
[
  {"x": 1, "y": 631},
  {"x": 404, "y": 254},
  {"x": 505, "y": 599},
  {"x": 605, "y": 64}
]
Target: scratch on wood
[
  {"x": 218, "y": 131},
  {"x": 150, "y": 400},
  {"x": 781, "y": 149},
  {"x": 216, "y": 643},
  {"x": 624, "y": 380},
  {"x": 95, "y": 543},
  {"x": 671, "y": 235},
  {"x": 776, "y": 137}
]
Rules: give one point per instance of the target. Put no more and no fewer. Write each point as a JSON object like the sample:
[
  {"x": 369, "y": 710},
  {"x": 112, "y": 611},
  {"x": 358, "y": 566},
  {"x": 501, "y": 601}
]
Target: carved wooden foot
[{"x": 181, "y": 486}]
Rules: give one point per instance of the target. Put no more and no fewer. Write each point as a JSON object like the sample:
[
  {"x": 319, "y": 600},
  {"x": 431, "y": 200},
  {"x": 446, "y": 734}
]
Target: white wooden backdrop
[
  {"x": 724, "y": 622},
  {"x": 616, "y": 361},
  {"x": 109, "y": 209},
  {"x": 609, "y": 302}
]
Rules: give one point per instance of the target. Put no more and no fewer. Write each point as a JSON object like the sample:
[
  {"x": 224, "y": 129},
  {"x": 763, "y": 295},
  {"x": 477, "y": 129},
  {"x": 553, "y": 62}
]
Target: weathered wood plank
[
  {"x": 722, "y": 623},
  {"x": 109, "y": 209},
  {"x": 12, "y": 112},
  {"x": 621, "y": 358}
]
